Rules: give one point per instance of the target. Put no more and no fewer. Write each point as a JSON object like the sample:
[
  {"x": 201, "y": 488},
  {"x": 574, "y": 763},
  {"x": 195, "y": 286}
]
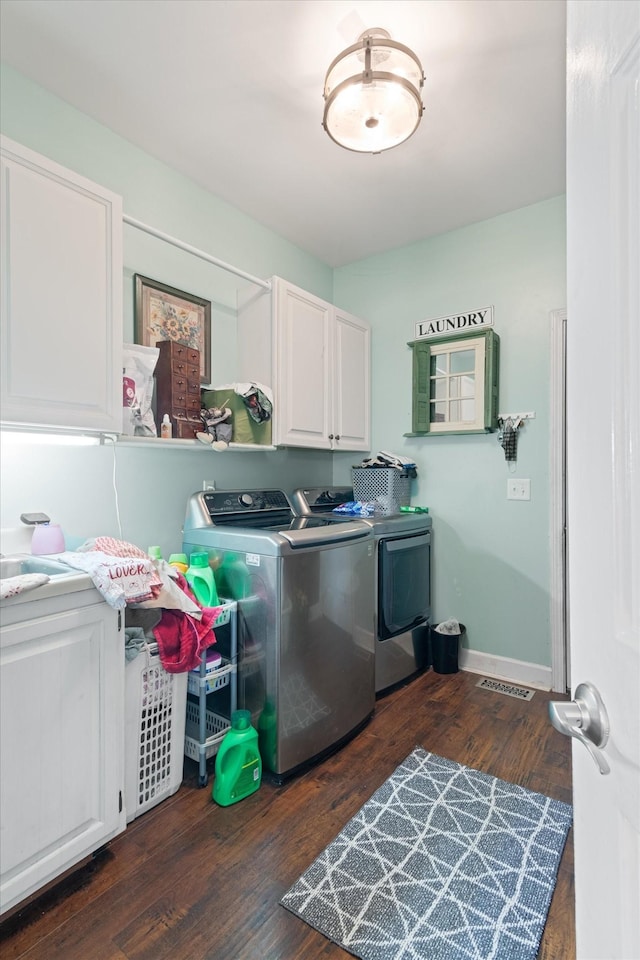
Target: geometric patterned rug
[{"x": 443, "y": 862}]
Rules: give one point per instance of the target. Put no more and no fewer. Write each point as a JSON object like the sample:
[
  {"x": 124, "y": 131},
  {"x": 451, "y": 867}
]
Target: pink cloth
[
  {"x": 181, "y": 638},
  {"x": 116, "y": 548},
  {"x": 122, "y": 548}
]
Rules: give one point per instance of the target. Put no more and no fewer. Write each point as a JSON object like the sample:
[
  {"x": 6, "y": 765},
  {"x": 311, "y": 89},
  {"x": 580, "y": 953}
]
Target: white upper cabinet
[
  {"x": 61, "y": 262},
  {"x": 351, "y": 383},
  {"x": 317, "y": 359},
  {"x": 303, "y": 373}
]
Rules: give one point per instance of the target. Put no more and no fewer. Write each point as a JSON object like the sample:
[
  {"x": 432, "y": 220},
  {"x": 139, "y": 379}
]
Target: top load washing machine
[
  {"x": 304, "y": 587},
  {"x": 402, "y": 583}
]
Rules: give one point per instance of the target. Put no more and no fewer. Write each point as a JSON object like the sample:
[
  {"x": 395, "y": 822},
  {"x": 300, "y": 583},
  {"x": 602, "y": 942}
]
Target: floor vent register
[{"x": 509, "y": 689}]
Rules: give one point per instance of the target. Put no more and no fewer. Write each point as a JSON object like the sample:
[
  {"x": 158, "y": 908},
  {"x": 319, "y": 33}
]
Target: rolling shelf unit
[{"x": 212, "y": 693}]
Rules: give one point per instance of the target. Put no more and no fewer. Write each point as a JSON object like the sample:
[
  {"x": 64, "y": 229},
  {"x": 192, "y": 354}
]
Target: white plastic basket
[
  {"x": 215, "y": 678},
  {"x": 389, "y": 489},
  {"x": 215, "y": 728},
  {"x": 155, "y": 711}
]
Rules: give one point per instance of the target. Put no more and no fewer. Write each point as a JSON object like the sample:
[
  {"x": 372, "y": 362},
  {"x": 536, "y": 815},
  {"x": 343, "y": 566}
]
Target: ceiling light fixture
[{"x": 372, "y": 94}]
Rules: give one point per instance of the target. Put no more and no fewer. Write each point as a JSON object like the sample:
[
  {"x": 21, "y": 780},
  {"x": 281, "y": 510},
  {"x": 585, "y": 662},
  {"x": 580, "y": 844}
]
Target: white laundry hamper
[{"x": 155, "y": 712}]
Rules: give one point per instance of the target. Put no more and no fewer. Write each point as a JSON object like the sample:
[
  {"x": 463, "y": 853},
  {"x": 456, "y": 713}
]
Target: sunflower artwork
[{"x": 165, "y": 313}]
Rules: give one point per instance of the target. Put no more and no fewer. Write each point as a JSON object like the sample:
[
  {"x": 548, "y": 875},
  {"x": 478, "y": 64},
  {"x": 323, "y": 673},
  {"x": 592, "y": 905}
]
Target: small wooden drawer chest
[{"x": 178, "y": 388}]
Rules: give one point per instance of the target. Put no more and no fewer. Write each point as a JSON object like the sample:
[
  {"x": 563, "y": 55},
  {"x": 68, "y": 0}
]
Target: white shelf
[{"x": 176, "y": 444}]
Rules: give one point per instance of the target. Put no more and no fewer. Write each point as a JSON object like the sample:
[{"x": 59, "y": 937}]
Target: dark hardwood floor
[{"x": 190, "y": 880}]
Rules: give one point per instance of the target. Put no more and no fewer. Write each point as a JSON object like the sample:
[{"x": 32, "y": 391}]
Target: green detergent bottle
[
  {"x": 200, "y": 578},
  {"x": 233, "y": 578},
  {"x": 267, "y": 734},
  {"x": 238, "y": 764}
]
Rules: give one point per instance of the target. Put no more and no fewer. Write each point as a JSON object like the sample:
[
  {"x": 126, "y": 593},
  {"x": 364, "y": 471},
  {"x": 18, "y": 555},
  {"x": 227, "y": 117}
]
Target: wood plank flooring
[{"x": 193, "y": 881}]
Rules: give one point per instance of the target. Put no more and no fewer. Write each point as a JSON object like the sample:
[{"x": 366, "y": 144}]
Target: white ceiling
[{"x": 229, "y": 92}]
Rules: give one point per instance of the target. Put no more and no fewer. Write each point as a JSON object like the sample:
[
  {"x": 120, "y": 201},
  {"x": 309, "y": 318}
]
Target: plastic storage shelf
[
  {"x": 207, "y": 719},
  {"x": 155, "y": 703},
  {"x": 215, "y": 678}
]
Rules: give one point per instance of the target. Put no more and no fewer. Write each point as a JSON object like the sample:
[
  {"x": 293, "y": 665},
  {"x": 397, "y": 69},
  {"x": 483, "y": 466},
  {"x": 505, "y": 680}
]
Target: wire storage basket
[
  {"x": 155, "y": 713},
  {"x": 388, "y": 488}
]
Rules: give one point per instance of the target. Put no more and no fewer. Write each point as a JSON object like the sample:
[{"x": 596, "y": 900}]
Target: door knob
[{"x": 584, "y": 718}]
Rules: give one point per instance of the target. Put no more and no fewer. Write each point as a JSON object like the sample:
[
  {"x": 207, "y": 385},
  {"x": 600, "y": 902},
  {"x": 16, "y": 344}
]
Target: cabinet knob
[
  {"x": 330, "y": 436},
  {"x": 337, "y": 436}
]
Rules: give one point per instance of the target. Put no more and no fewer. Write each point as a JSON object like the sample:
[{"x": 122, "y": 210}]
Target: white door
[{"x": 603, "y": 407}]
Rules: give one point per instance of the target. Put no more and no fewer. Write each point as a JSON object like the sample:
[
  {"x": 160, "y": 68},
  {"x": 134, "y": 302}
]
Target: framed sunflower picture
[{"x": 164, "y": 313}]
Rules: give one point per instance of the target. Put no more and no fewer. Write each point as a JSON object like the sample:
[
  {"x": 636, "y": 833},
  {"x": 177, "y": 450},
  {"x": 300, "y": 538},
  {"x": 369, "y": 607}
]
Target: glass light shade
[{"x": 372, "y": 95}]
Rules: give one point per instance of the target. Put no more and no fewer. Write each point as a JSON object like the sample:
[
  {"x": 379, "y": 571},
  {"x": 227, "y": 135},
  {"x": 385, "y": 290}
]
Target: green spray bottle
[{"x": 238, "y": 763}]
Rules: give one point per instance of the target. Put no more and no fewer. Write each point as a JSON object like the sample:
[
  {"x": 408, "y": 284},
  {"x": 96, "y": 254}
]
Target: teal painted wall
[
  {"x": 491, "y": 556},
  {"x": 157, "y": 195},
  {"x": 491, "y": 566},
  {"x": 75, "y": 485}
]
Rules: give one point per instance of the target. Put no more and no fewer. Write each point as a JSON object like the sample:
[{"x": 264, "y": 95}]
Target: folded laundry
[
  {"x": 120, "y": 580},
  {"x": 392, "y": 461},
  {"x": 120, "y": 548}
]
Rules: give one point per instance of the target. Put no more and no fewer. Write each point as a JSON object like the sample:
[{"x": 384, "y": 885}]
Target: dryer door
[{"x": 404, "y": 578}]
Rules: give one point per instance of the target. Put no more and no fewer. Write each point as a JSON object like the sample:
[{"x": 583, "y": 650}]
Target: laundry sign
[{"x": 456, "y": 323}]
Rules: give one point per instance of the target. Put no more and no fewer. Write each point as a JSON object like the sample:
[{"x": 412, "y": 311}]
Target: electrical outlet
[
  {"x": 518, "y": 489},
  {"x": 208, "y": 484}
]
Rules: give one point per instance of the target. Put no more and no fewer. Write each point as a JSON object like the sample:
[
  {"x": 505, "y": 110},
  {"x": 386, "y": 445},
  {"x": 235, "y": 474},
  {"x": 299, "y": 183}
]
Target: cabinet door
[
  {"x": 352, "y": 383},
  {"x": 62, "y": 296},
  {"x": 303, "y": 382},
  {"x": 61, "y": 756}
]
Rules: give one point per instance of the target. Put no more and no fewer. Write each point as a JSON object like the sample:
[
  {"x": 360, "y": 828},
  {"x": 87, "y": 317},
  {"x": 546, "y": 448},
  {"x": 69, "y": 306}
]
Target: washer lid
[
  {"x": 307, "y": 500},
  {"x": 263, "y": 517},
  {"x": 309, "y": 531}
]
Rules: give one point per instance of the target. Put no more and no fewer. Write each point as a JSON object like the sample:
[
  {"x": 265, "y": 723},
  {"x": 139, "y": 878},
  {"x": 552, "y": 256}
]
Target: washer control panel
[{"x": 223, "y": 502}]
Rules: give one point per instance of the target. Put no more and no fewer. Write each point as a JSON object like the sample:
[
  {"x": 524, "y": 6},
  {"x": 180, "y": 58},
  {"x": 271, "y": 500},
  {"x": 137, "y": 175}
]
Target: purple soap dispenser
[{"x": 47, "y": 537}]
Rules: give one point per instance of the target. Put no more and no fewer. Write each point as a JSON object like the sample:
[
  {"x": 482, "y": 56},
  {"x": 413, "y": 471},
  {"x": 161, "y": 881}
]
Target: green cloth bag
[{"x": 245, "y": 428}]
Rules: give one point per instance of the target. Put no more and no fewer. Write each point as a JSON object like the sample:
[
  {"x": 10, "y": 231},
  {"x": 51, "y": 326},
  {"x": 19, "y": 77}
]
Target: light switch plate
[{"x": 518, "y": 489}]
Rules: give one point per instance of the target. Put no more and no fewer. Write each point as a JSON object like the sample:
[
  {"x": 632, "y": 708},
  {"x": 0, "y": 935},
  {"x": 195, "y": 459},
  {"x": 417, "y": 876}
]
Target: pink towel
[{"x": 181, "y": 638}]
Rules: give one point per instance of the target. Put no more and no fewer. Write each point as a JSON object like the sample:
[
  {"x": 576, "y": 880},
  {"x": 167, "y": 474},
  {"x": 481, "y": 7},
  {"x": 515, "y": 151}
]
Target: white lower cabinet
[
  {"x": 61, "y": 749},
  {"x": 61, "y": 330},
  {"x": 317, "y": 359}
]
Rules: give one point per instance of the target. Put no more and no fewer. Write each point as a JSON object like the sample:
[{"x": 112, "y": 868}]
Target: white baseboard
[{"x": 504, "y": 668}]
